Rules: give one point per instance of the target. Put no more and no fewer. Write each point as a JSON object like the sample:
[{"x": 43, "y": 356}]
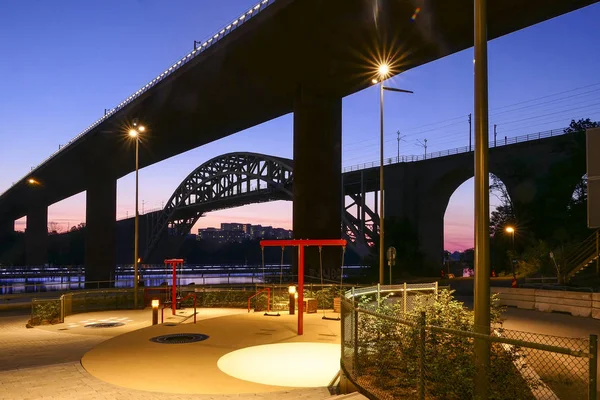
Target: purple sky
[{"x": 63, "y": 62}]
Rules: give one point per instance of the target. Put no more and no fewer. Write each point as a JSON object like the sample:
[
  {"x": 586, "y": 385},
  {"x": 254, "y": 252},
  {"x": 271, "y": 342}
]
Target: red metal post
[
  {"x": 300, "y": 290},
  {"x": 303, "y": 242},
  {"x": 174, "y": 290}
]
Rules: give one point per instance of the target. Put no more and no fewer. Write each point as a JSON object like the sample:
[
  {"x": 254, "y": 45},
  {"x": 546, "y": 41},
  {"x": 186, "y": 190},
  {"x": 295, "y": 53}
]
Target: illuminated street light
[
  {"x": 135, "y": 134},
  {"x": 383, "y": 70},
  {"x": 511, "y": 230},
  {"x": 32, "y": 181}
]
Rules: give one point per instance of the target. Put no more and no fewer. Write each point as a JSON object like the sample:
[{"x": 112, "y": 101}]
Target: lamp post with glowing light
[
  {"x": 134, "y": 133},
  {"x": 383, "y": 72},
  {"x": 511, "y": 230}
]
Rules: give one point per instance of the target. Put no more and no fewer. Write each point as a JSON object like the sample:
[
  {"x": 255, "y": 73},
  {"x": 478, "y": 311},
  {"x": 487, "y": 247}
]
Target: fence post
[
  {"x": 598, "y": 251},
  {"x": 422, "y": 334},
  {"x": 436, "y": 287},
  {"x": 593, "y": 368},
  {"x": 404, "y": 298},
  {"x": 62, "y": 308},
  {"x": 355, "y": 343}
]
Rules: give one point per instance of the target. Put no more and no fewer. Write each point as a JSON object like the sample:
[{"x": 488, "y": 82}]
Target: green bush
[
  {"x": 388, "y": 351},
  {"x": 45, "y": 312}
]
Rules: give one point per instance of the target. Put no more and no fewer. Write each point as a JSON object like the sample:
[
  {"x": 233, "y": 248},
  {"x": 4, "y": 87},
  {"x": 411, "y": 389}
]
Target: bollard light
[
  {"x": 293, "y": 294},
  {"x": 155, "y": 304}
]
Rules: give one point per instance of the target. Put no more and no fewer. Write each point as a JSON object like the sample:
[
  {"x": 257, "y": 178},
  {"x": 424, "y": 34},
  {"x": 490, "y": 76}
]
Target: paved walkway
[{"x": 44, "y": 363}]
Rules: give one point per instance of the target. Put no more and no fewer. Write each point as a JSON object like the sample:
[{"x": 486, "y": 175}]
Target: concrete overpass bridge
[
  {"x": 418, "y": 189},
  {"x": 280, "y": 56}
]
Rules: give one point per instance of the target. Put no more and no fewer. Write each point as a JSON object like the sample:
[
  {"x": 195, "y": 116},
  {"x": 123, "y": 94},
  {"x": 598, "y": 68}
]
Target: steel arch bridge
[{"x": 233, "y": 180}]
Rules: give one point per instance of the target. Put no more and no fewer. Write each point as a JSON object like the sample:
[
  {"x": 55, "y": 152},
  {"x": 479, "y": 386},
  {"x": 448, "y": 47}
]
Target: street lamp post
[
  {"x": 383, "y": 72},
  {"x": 135, "y": 134},
  {"x": 511, "y": 230},
  {"x": 481, "y": 306}
]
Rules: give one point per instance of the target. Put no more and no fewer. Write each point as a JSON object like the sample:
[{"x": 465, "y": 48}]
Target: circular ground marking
[
  {"x": 104, "y": 325},
  {"x": 179, "y": 338},
  {"x": 289, "y": 364}
]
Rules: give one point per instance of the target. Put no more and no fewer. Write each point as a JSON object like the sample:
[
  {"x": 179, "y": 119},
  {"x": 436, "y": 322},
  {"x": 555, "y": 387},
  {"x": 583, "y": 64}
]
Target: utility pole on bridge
[{"x": 470, "y": 147}]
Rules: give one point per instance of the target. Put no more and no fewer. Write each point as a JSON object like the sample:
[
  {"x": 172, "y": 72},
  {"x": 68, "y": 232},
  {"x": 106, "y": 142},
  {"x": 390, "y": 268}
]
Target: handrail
[
  {"x": 457, "y": 150},
  {"x": 190, "y": 295},
  {"x": 162, "y": 310},
  {"x": 408, "y": 287},
  {"x": 582, "y": 255},
  {"x": 268, "y": 290}
]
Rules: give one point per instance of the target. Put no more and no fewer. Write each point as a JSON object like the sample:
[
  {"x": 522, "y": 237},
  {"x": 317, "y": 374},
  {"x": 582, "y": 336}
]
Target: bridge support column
[
  {"x": 7, "y": 228},
  {"x": 318, "y": 174},
  {"x": 101, "y": 232},
  {"x": 431, "y": 238},
  {"x": 36, "y": 236}
]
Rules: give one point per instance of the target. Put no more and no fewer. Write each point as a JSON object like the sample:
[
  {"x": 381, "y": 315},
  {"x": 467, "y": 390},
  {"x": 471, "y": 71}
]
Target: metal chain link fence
[{"x": 412, "y": 355}]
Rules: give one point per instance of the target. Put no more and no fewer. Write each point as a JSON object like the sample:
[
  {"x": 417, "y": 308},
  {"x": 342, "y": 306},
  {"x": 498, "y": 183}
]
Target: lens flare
[{"x": 414, "y": 16}]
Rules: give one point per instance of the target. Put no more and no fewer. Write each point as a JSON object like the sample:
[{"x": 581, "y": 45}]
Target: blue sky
[{"x": 63, "y": 62}]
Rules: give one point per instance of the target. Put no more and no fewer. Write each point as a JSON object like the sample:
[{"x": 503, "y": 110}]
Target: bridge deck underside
[{"x": 253, "y": 75}]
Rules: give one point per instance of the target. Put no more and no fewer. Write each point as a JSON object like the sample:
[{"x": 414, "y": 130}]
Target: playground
[
  {"x": 244, "y": 353},
  {"x": 171, "y": 348}
]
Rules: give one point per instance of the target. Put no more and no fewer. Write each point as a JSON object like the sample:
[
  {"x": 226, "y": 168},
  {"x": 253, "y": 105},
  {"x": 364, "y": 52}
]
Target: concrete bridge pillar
[
  {"x": 431, "y": 236},
  {"x": 36, "y": 236},
  {"x": 7, "y": 228},
  {"x": 101, "y": 231},
  {"x": 317, "y": 173}
]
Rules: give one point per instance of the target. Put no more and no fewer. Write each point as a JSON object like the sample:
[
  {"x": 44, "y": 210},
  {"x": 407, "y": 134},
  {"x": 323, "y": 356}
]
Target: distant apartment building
[{"x": 235, "y": 232}]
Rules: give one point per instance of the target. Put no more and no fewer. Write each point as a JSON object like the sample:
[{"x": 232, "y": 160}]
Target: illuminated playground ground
[{"x": 244, "y": 352}]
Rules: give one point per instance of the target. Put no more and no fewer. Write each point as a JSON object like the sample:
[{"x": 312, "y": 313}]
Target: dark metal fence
[{"x": 391, "y": 357}]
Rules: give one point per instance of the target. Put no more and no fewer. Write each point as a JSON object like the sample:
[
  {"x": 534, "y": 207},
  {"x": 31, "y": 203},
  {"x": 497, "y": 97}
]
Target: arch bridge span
[{"x": 227, "y": 181}]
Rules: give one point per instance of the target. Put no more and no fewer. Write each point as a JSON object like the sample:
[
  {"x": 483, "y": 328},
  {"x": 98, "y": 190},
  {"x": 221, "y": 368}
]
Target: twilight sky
[{"x": 63, "y": 62}]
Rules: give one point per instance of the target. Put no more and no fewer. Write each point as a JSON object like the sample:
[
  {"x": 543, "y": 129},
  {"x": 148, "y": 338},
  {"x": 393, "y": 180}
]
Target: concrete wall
[{"x": 576, "y": 303}]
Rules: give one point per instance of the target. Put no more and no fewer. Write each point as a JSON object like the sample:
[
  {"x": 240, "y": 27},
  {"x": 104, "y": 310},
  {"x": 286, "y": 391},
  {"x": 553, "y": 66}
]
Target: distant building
[{"x": 235, "y": 232}]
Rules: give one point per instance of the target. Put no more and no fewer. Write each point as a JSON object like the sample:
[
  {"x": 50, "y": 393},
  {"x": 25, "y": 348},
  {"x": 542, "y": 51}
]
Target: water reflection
[{"x": 14, "y": 280}]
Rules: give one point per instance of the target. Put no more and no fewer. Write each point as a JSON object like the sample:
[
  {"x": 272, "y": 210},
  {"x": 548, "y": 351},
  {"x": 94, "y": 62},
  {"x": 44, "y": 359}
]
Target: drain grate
[
  {"x": 104, "y": 325},
  {"x": 179, "y": 338}
]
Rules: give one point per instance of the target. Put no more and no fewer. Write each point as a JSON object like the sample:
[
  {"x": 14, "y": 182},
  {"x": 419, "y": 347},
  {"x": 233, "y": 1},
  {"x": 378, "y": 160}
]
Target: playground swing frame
[{"x": 301, "y": 244}]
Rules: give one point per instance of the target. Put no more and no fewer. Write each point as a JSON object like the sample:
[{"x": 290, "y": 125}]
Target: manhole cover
[
  {"x": 104, "y": 325},
  {"x": 179, "y": 338}
]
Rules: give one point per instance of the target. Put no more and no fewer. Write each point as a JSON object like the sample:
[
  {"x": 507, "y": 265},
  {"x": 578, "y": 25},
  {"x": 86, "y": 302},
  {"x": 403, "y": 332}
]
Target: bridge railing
[
  {"x": 458, "y": 150},
  {"x": 202, "y": 47}
]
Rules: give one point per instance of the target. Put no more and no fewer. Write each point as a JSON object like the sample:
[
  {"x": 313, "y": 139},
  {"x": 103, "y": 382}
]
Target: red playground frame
[
  {"x": 301, "y": 244},
  {"x": 175, "y": 262}
]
